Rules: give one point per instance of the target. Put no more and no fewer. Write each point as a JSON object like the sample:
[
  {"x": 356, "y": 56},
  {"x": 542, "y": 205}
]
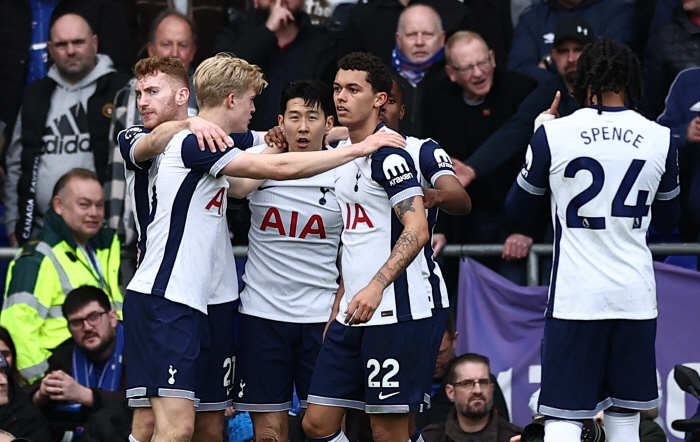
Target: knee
[
  {"x": 143, "y": 424},
  {"x": 314, "y": 427},
  {"x": 268, "y": 434},
  {"x": 381, "y": 434}
]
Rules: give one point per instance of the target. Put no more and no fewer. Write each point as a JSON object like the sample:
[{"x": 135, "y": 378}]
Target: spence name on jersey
[{"x": 603, "y": 171}]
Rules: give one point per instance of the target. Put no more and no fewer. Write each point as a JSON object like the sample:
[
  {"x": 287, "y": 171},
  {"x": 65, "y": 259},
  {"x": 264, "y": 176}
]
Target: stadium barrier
[{"x": 456, "y": 250}]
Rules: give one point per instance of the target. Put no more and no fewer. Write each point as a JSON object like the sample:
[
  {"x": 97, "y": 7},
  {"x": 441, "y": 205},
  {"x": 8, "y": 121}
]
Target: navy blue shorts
[
  {"x": 589, "y": 366},
  {"x": 166, "y": 348},
  {"x": 275, "y": 357},
  {"x": 215, "y": 386},
  {"x": 379, "y": 369}
]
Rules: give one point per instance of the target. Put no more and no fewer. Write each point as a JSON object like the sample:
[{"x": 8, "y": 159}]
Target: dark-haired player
[
  {"x": 291, "y": 276},
  {"x": 605, "y": 165},
  {"x": 373, "y": 356}
]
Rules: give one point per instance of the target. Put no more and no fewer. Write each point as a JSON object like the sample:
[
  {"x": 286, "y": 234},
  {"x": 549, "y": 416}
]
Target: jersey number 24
[{"x": 619, "y": 208}]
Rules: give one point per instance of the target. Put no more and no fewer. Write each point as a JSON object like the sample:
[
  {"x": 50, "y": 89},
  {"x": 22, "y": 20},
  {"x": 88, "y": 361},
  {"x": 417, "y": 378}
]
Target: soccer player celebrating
[
  {"x": 168, "y": 338},
  {"x": 291, "y": 273},
  {"x": 162, "y": 90},
  {"x": 604, "y": 165},
  {"x": 374, "y": 354}
]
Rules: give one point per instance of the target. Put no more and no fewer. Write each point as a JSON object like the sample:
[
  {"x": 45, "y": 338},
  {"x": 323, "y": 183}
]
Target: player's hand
[
  {"x": 275, "y": 138},
  {"x": 363, "y": 304},
  {"x": 280, "y": 16},
  {"x": 228, "y": 411},
  {"x": 381, "y": 139},
  {"x": 515, "y": 438},
  {"x": 465, "y": 174},
  {"x": 693, "y": 133},
  {"x": 430, "y": 197},
  {"x": 62, "y": 387},
  {"x": 439, "y": 242},
  {"x": 516, "y": 247},
  {"x": 337, "y": 133},
  {"x": 554, "y": 108},
  {"x": 207, "y": 131}
]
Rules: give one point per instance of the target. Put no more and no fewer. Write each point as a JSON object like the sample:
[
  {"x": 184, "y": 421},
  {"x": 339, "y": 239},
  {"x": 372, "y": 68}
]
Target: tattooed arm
[{"x": 411, "y": 213}]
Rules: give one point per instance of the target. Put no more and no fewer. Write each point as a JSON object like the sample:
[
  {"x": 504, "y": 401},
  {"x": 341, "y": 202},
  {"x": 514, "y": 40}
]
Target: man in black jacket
[
  {"x": 85, "y": 372},
  {"x": 278, "y": 36},
  {"x": 473, "y": 418},
  {"x": 461, "y": 114}
]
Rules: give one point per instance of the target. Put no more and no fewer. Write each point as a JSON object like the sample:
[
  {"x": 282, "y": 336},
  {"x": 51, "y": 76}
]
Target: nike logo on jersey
[{"x": 383, "y": 396}]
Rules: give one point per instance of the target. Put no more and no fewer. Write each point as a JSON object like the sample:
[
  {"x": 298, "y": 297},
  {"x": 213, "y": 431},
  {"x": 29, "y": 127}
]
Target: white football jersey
[
  {"x": 367, "y": 189},
  {"x": 603, "y": 172},
  {"x": 291, "y": 273},
  {"x": 189, "y": 257},
  {"x": 431, "y": 163}
]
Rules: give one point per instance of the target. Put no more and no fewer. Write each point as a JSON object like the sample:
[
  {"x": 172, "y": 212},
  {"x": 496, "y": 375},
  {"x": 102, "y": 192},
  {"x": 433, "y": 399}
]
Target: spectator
[
  {"x": 18, "y": 414},
  {"x": 64, "y": 124},
  {"x": 7, "y": 348},
  {"x": 279, "y": 37},
  {"x": 73, "y": 250},
  {"x": 24, "y": 31},
  {"x": 370, "y": 27},
  {"x": 476, "y": 100},
  {"x": 418, "y": 55},
  {"x": 472, "y": 418},
  {"x": 534, "y": 36},
  {"x": 172, "y": 34},
  {"x": 85, "y": 372},
  {"x": 209, "y": 17},
  {"x": 676, "y": 47},
  {"x": 681, "y": 115},
  {"x": 440, "y": 404}
]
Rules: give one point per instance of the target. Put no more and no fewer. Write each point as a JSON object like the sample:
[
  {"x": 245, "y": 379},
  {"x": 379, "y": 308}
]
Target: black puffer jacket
[
  {"x": 675, "y": 48},
  {"x": 21, "y": 417}
]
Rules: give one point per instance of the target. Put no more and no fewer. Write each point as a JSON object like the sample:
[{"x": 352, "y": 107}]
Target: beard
[
  {"x": 474, "y": 410},
  {"x": 97, "y": 352}
]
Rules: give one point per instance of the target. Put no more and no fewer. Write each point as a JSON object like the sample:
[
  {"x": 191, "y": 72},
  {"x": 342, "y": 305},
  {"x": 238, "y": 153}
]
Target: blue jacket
[
  {"x": 684, "y": 93},
  {"x": 534, "y": 34}
]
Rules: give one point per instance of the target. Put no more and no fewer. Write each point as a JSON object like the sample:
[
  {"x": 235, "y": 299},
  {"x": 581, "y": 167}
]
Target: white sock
[
  {"x": 621, "y": 427},
  {"x": 338, "y": 436},
  {"x": 133, "y": 439},
  {"x": 558, "y": 430}
]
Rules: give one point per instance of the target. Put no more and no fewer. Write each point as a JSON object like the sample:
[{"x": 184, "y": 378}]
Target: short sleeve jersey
[
  {"x": 291, "y": 274},
  {"x": 367, "y": 189},
  {"x": 603, "y": 171},
  {"x": 188, "y": 246}
]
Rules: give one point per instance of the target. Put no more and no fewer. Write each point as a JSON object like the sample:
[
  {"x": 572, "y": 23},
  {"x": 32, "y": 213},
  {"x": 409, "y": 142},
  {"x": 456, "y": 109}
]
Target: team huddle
[{"x": 343, "y": 302}]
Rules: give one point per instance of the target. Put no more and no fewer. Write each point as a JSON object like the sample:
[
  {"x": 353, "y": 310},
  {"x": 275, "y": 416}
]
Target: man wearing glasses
[
  {"x": 473, "y": 418},
  {"x": 85, "y": 372}
]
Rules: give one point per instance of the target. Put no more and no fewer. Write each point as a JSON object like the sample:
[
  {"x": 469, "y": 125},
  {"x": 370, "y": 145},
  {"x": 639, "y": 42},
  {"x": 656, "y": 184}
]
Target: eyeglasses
[
  {"x": 469, "y": 384},
  {"x": 469, "y": 69},
  {"x": 92, "y": 319}
]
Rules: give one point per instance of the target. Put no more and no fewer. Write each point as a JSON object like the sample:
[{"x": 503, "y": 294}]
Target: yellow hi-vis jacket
[{"x": 40, "y": 276}]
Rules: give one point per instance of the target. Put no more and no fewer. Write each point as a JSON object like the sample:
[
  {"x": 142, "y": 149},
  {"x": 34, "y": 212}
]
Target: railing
[{"x": 533, "y": 261}]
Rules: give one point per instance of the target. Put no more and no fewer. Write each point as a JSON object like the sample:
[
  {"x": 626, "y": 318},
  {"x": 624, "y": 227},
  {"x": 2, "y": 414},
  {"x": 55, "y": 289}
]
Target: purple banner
[{"x": 505, "y": 322}]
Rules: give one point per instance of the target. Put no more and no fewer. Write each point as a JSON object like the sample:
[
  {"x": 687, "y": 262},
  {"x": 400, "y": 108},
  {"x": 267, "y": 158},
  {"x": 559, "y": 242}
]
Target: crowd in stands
[{"x": 475, "y": 76}]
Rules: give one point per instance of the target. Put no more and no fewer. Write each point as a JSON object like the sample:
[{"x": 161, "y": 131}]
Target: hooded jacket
[{"x": 53, "y": 136}]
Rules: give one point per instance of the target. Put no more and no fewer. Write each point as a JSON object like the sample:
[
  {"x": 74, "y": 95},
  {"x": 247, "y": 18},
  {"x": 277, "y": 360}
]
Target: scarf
[
  {"x": 414, "y": 72},
  {"x": 84, "y": 369}
]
